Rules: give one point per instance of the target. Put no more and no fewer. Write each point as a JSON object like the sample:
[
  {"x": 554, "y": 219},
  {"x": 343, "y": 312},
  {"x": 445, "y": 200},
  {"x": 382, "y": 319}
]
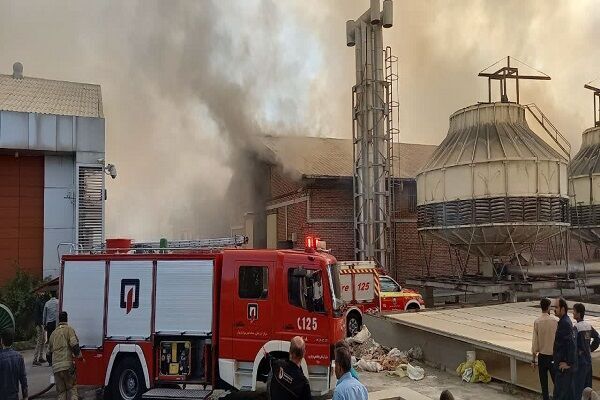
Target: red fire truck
[
  {"x": 149, "y": 317},
  {"x": 366, "y": 289}
]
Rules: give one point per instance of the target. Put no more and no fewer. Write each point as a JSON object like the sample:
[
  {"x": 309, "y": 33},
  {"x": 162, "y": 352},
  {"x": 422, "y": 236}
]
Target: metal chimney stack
[{"x": 371, "y": 140}]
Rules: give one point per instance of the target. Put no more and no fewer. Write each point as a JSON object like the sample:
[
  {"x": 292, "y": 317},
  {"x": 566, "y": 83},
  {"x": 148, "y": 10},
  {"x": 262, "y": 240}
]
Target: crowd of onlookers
[
  {"x": 560, "y": 349},
  {"x": 62, "y": 345},
  {"x": 563, "y": 351}
]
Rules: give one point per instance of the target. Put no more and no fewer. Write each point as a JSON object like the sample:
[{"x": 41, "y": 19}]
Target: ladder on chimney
[{"x": 393, "y": 136}]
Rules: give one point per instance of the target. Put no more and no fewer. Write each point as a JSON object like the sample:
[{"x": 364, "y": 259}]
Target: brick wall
[
  {"x": 331, "y": 214},
  {"x": 429, "y": 258},
  {"x": 330, "y": 217}
]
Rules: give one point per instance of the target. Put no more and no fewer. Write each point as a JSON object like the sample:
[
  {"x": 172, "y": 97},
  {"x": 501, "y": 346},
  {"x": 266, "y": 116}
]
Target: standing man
[
  {"x": 287, "y": 380},
  {"x": 347, "y": 387},
  {"x": 544, "y": 331},
  {"x": 12, "y": 369},
  {"x": 585, "y": 332},
  {"x": 40, "y": 332},
  {"x": 64, "y": 347},
  {"x": 49, "y": 318},
  {"x": 565, "y": 353}
]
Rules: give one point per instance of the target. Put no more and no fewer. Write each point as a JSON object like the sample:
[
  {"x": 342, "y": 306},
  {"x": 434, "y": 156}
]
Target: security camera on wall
[{"x": 111, "y": 170}]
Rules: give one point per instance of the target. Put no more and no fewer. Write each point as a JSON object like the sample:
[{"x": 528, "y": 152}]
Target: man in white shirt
[
  {"x": 50, "y": 317},
  {"x": 544, "y": 331}
]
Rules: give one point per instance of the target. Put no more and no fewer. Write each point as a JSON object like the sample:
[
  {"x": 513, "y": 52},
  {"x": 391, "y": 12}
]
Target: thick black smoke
[{"x": 187, "y": 84}]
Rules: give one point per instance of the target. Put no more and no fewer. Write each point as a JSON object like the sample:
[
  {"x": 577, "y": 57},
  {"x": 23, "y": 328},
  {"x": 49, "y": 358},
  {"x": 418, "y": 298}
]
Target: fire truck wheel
[
  {"x": 127, "y": 380},
  {"x": 353, "y": 324}
]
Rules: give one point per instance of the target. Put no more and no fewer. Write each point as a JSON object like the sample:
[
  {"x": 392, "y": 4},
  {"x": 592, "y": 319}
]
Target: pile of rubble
[{"x": 368, "y": 355}]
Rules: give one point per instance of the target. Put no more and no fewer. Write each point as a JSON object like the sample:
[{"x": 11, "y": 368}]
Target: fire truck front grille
[{"x": 168, "y": 394}]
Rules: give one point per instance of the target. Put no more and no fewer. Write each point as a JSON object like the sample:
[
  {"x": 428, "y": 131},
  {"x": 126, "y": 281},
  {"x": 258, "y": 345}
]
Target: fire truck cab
[{"x": 163, "y": 318}]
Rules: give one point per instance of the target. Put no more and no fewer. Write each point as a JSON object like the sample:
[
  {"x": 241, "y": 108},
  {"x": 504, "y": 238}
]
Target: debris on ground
[
  {"x": 473, "y": 371},
  {"x": 414, "y": 372},
  {"x": 373, "y": 357}
]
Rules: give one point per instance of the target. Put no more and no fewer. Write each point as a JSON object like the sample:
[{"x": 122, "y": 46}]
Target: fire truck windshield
[{"x": 333, "y": 271}]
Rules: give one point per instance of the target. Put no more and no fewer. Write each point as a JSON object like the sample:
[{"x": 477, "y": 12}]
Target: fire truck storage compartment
[
  {"x": 184, "y": 297},
  {"x": 129, "y": 299},
  {"x": 357, "y": 286},
  {"x": 182, "y": 359},
  {"x": 83, "y": 299},
  {"x": 175, "y": 358}
]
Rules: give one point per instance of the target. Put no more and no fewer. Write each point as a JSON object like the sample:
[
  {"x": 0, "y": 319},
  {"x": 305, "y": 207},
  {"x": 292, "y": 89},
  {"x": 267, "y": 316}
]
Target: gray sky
[{"x": 185, "y": 82}]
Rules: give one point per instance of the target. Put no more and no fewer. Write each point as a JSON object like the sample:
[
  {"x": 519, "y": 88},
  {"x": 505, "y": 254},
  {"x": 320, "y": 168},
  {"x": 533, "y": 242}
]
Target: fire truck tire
[
  {"x": 353, "y": 323},
  {"x": 127, "y": 380}
]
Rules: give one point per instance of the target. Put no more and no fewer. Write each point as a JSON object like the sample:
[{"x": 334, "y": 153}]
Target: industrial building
[
  {"x": 51, "y": 171},
  {"x": 310, "y": 193}
]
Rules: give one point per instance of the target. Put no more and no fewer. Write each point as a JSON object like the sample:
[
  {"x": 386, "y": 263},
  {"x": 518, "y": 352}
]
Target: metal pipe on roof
[
  {"x": 350, "y": 29},
  {"x": 388, "y": 13}
]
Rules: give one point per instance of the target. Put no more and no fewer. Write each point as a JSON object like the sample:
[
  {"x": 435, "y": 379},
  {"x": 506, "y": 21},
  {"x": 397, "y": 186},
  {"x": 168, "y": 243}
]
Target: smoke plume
[{"x": 186, "y": 85}]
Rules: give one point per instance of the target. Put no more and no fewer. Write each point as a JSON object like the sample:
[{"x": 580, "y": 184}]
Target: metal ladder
[
  {"x": 234, "y": 241},
  {"x": 550, "y": 129},
  {"x": 393, "y": 135}
]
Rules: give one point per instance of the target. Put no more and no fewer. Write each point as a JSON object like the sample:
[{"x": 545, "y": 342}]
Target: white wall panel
[{"x": 59, "y": 212}]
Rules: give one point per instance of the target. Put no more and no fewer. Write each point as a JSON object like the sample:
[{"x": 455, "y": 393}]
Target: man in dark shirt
[
  {"x": 287, "y": 379},
  {"x": 12, "y": 369},
  {"x": 564, "y": 354},
  {"x": 584, "y": 333}
]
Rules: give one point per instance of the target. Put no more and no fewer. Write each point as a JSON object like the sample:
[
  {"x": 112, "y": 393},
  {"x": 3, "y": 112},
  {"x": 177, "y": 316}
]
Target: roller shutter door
[{"x": 21, "y": 215}]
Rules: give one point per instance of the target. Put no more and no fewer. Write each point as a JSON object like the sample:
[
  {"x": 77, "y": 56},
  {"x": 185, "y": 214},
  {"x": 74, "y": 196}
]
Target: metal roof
[
  {"x": 44, "y": 96},
  {"x": 504, "y": 328},
  {"x": 331, "y": 157}
]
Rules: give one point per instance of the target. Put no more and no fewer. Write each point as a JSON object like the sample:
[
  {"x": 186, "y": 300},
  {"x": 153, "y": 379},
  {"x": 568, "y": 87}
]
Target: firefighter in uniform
[
  {"x": 585, "y": 333},
  {"x": 64, "y": 346},
  {"x": 287, "y": 381},
  {"x": 564, "y": 354}
]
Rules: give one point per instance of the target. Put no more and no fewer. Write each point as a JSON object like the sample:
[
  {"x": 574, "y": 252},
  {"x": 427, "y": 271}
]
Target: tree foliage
[{"x": 18, "y": 295}]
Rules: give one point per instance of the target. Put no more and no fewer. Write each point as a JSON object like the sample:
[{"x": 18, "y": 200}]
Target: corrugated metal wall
[{"x": 21, "y": 215}]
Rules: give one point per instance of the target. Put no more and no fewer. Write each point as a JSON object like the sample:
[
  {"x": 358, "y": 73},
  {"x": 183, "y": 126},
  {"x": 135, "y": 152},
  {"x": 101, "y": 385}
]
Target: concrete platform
[{"x": 500, "y": 334}]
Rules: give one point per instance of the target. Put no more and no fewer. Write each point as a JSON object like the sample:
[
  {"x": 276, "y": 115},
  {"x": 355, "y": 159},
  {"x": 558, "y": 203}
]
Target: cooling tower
[
  {"x": 493, "y": 186},
  {"x": 584, "y": 182}
]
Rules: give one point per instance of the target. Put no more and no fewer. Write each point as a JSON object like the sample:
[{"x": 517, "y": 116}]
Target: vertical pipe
[
  {"x": 350, "y": 36},
  {"x": 368, "y": 139},
  {"x": 388, "y": 13},
  {"x": 358, "y": 118},
  {"x": 375, "y": 12},
  {"x": 596, "y": 109},
  {"x": 379, "y": 149}
]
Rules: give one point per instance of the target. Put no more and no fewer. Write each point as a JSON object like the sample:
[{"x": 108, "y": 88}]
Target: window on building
[
  {"x": 254, "y": 282},
  {"x": 298, "y": 288},
  {"x": 388, "y": 284},
  {"x": 412, "y": 197}
]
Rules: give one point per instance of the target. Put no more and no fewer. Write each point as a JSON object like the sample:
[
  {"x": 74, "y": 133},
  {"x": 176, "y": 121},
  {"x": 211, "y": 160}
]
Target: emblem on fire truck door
[
  {"x": 130, "y": 294},
  {"x": 252, "y": 311}
]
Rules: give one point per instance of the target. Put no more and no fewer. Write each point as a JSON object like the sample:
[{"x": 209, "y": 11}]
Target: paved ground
[{"x": 434, "y": 383}]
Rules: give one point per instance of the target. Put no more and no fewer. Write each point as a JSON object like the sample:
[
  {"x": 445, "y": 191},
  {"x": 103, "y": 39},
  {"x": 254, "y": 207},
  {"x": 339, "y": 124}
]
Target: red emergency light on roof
[{"x": 312, "y": 243}]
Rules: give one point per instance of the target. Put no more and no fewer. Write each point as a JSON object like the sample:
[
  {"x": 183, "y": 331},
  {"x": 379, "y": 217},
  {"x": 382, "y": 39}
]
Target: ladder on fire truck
[{"x": 163, "y": 244}]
